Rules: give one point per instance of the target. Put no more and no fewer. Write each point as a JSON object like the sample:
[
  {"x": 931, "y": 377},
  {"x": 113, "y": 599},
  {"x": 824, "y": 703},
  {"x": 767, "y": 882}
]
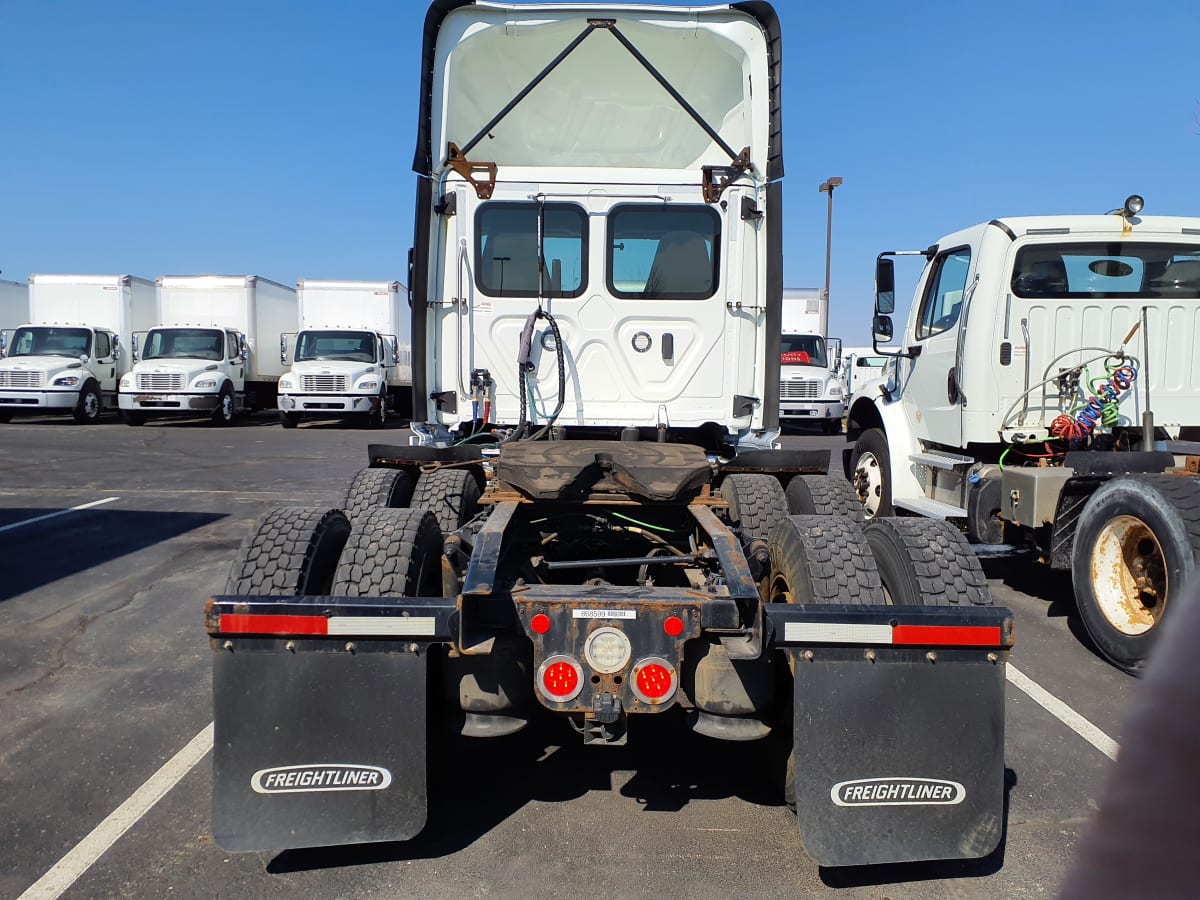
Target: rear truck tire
[
  {"x": 391, "y": 553},
  {"x": 222, "y": 414},
  {"x": 452, "y": 495},
  {"x": 133, "y": 417},
  {"x": 871, "y": 474},
  {"x": 757, "y": 503},
  {"x": 378, "y": 488},
  {"x": 822, "y": 495},
  {"x": 291, "y": 550},
  {"x": 1136, "y": 550},
  {"x": 377, "y": 418},
  {"x": 926, "y": 562},
  {"x": 87, "y": 410},
  {"x": 819, "y": 559},
  {"x": 289, "y": 419},
  {"x": 822, "y": 559}
]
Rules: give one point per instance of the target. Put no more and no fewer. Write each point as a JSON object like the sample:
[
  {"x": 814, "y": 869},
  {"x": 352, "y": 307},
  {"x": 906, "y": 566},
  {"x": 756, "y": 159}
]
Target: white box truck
[
  {"x": 14, "y": 309},
  {"x": 810, "y": 389},
  {"x": 352, "y": 353},
  {"x": 72, "y": 352},
  {"x": 208, "y": 354}
]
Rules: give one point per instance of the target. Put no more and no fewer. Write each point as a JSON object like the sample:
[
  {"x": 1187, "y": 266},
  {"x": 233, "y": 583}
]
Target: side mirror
[
  {"x": 243, "y": 347},
  {"x": 3, "y": 343},
  {"x": 881, "y": 327},
  {"x": 283, "y": 348},
  {"x": 84, "y": 358},
  {"x": 885, "y": 286},
  {"x": 116, "y": 347},
  {"x": 133, "y": 347},
  {"x": 835, "y": 354}
]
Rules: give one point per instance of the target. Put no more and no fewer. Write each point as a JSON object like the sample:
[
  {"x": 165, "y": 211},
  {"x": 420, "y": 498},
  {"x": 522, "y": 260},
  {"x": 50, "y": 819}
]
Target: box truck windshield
[
  {"x": 41, "y": 341},
  {"x": 184, "y": 343},
  {"x": 355, "y": 346}
]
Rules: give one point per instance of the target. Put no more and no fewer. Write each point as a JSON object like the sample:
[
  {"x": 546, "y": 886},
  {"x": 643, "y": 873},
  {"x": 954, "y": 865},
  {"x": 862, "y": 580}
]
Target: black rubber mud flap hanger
[{"x": 712, "y": 189}]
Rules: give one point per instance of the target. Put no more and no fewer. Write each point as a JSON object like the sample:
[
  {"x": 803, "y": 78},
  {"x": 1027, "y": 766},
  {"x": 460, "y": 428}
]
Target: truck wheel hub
[
  {"x": 1129, "y": 575},
  {"x": 868, "y": 483}
]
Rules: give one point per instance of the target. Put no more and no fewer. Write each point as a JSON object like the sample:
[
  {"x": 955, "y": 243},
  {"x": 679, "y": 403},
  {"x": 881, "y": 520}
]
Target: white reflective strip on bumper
[
  {"x": 398, "y": 626},
  {"x": 836, "y": 633}
]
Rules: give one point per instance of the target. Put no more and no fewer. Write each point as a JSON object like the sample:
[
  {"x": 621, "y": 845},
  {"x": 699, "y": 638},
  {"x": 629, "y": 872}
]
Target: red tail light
[
  {"x": 560, "y": 679},
  {"x": 654, "y": 680}
]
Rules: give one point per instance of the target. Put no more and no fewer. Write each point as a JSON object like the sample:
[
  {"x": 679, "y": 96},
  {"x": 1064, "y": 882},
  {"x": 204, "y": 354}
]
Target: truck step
[
  {"x": 940, "y": 460},
  {"x": 934, "y": 509}
]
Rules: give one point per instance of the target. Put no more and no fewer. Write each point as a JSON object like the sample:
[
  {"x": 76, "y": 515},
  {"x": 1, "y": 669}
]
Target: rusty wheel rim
[{"x": 1129, "y": 575}]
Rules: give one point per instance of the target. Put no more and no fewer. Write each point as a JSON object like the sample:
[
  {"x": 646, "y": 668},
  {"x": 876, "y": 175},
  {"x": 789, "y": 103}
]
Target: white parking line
[
  {"x": 80, "y": 858},
  {"x": 61, "y": 512},
  {"x": 1062, "y": 712}
]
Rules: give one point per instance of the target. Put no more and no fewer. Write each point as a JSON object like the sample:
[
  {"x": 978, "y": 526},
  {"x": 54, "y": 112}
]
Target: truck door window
[
  {"x": 231, "y": 346},
  {"x": 506, "y": 249},
  {"x": 659, "y": 251},
  {"x": 1103, "y": 270},
  {"x": 103, "y": 345},
  {"x": 942, "y": 303}
]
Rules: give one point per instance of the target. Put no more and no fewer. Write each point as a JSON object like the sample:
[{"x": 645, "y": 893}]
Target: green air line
[
  {"x": 1004, "y": 454},
  {"x": 617, "y": 515}
]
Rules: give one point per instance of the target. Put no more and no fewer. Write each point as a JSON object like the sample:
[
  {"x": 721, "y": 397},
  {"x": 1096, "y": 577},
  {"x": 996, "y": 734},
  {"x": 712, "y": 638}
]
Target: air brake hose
[
  {"x": 524, "y": 366},
  {"x": 562, "y": 374}
]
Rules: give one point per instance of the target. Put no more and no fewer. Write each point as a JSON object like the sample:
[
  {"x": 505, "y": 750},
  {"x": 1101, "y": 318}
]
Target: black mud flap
[
  {"x": 318, "y": 740},
  {"x": 899, "y": 730}
]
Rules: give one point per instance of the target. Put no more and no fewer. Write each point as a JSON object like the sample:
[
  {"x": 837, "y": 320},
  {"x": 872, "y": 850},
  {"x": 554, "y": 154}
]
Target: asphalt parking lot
[{"x": 111, "y": 538}]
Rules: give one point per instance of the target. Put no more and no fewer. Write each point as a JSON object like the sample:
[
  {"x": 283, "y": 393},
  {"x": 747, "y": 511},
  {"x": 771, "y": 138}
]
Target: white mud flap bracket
[
  {"x": 320, "y": 718},
  {"x": 899, "y": 729}
]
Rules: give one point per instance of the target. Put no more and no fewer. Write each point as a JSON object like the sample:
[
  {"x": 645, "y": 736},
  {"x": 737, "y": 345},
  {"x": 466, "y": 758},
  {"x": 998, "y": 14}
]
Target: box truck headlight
[
  {"x": 285, "y": 383},
  {"x": 66, "y": 380},
  {"x": 835, "y": 391},
  {"x": 206, "y": 383},
  {"x": 368, "y": 385},
  {"x": 126, "y": 381}
]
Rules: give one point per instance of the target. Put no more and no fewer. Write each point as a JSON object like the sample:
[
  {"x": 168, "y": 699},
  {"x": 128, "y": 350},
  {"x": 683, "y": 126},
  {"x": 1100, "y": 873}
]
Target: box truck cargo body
[
  {"x": 810, "y": 388},
  {"x": 211, "y": 351},
  {"x": 73, "y": 351},
  {"x": 351, "y": 355},
  {"x": 14, "y": 309}
]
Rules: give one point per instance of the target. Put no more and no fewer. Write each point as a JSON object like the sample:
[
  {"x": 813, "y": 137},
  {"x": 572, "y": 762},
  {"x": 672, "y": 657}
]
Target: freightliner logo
[
  {"x": 320, "y": 777},
  {"x": 897, "y": 791}
]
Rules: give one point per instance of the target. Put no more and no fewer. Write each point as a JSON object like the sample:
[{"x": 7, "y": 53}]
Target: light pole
[{"x": 826, "y": 187}]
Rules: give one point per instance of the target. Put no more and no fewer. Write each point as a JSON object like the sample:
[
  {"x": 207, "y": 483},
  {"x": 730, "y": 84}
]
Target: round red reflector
[
  {"x": 654, "y": 681},
  {"x": 540, "y": 623},
  {"x": 561, "y": 679},
  {"x": 673, "y": 626}
]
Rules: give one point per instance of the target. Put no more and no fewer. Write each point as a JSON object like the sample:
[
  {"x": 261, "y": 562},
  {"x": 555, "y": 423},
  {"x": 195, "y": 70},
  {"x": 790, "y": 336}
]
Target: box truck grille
[
  {"x": 20, "y": 379},
  {"x": 159, "y": 382},
  {"x": 323, "y": 383},
  {"x": 799, "y": 390}
]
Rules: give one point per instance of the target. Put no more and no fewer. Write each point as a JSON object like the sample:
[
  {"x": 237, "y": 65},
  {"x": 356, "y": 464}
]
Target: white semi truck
[
  {"x": 352, "y": 356},
  {"x": 75, "y": 348},
  {"x": 618, "y": 538},
  {"x": 1046, "y": 368},
  {"x": 810, "y": 387},
  {"x": 211, "y": 352},
  {"x": 14, "y": 309}
]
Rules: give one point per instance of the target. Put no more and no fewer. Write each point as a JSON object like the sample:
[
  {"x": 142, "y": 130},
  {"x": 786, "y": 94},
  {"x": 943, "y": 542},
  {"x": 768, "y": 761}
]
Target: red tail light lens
[
  {"x": 540, "y": 623},
  {"x": 673, "y": 626},
  {"x": 654, "y": 680},
  {"x": 560, "y": 679}
]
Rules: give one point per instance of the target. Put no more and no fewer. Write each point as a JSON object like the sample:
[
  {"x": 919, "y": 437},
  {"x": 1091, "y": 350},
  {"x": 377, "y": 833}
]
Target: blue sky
[{"x": 276, "y": 138}]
